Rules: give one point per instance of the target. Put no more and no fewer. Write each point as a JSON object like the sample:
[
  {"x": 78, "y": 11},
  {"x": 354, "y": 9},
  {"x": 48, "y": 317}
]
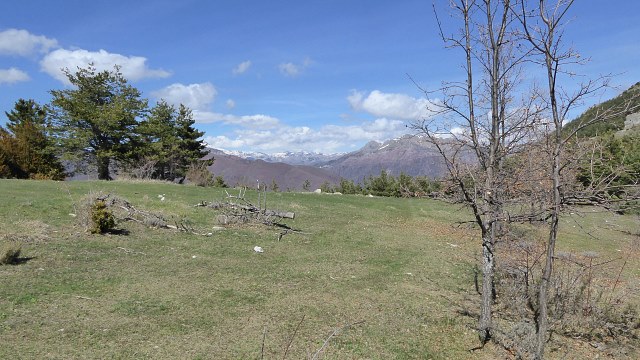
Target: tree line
[
  {"x": 101, "y": 124},
  {"x": 385, "y": 184}
]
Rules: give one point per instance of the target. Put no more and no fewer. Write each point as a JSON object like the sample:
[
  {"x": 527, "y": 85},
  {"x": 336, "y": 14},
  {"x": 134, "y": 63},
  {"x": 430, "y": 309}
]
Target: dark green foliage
[
  {"x": 26, "y": 150},
  {"x": 349, "y": 187},
  {"x": 190, "y": 148},
  {"x": 102, "y": 219},
  {"x": 306, "y": 185},
  {"x": 387, "y": 185},
  {"x": 383, "y": 185},
  {"x": 169, "y": 142},
  {"x": 96, "y": 120},
  {"x": 159, "y": 143}
]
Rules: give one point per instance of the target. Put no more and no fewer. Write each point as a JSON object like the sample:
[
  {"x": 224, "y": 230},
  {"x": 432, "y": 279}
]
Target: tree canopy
[
  {"x": 97, "y": 120},
  {"x": 26, "y": 150}
]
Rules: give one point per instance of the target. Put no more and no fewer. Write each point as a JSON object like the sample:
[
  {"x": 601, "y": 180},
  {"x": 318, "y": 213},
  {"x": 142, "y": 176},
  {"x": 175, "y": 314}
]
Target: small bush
[
  {"x": 102, "y": 219},
  {"x": 9, "y": 253}
]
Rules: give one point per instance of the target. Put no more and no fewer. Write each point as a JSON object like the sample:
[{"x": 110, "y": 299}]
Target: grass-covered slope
[{"x": 400, "y": 268}]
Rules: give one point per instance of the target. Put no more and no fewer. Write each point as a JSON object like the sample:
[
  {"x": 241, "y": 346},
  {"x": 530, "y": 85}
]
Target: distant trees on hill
[{"x": 387, "y": 185}]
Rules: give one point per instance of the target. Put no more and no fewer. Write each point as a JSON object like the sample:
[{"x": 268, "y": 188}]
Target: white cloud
[
  {"x": 257, "y": 121},
  {"x": 242, "y": 67},
  {"x": 132, "y": 67},
  {"x": 230, "y": 104},
  {"x": 194, "y": 96},
  {"x": 12, "y": 75},
  {"x": 289, "y": 69},
  {"x": 389, "y": 105},
  {"x": 327, "y": 139},
  {"x": 23, "y": 43},
  {"x": 292, "y": 70}
]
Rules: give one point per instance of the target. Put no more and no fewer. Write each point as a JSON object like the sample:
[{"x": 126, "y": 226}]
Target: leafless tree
[
  {"x": 542, "y": 23},
  {"x": 478, "y": 123}
]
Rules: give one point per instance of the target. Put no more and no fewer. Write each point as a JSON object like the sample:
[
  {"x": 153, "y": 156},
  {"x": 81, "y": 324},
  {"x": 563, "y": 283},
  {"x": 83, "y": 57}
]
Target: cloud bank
[
  {"x": 23, "y": 43},
  {"x": 326, "y": 139},
  {"x": 132, "y": 67}
]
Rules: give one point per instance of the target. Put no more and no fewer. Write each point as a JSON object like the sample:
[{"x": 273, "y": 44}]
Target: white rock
[{"x": 258, "y": 249}]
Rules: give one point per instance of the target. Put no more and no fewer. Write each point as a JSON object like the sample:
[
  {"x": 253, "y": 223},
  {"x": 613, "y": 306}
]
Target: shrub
[
  {"x": 9, "y": 252},
  {"x": 102, "y": 219}
]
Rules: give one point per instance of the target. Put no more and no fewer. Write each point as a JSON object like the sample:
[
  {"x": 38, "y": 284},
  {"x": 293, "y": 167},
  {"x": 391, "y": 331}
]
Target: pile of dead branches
[
  {"x": 123, "y": 210},
  {"x": 236, "y": 209}
]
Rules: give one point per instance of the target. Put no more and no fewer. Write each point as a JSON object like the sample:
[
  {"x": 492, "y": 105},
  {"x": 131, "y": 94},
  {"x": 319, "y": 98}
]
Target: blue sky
[{"x": 325, "y": 76}]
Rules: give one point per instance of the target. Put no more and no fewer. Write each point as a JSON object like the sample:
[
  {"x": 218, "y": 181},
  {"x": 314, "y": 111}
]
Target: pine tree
[
  {"x": 190, "y": 148},
  {"x": 97, "y": 119},
  {"x": 26, "y": 149},
  {"x": 159, "y": 140},
  {"x": 170, "y": 142}
]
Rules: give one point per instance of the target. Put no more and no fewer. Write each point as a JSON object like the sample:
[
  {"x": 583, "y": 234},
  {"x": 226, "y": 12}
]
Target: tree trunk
[
  {"x": 488, "y": 265},
  {"x": 542, "y": 320},
  {"x": 103, "y": 168}
]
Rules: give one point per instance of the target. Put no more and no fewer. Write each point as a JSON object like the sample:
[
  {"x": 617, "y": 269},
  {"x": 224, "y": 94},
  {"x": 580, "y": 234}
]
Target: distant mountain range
[
  {"x": 245, "y": 169},
  {"x": 291, "y": 158},
  {"x": 412, "y": 155}
]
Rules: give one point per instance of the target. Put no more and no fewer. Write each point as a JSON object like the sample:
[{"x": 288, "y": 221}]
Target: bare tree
[
  {"x": 481, "y": 121},
  {"x": 542, "y": 23}
]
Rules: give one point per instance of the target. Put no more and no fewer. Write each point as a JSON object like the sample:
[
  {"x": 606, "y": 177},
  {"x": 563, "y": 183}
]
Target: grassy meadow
[{"x": 397, "y": 270}]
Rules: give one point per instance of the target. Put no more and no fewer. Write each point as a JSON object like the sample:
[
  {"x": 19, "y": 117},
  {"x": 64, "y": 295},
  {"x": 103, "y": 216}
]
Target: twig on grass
[
  {"x": 85, "y": 298},
  {"x": 334, "y": 333},
  {"x": 129, "y": 251},
  {"x": 292, "y": 337},
  {"x": 264, "y": 336}
]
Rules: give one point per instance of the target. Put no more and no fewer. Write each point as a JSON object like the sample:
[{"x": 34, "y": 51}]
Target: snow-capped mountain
[
  {"x": 409, "y": 154},
  {"x": 289, "y": 157}
]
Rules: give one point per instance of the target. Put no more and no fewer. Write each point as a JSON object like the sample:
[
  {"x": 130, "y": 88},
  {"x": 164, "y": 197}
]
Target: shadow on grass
[
  {"x": 19, "y": 260},
  {"x": 119, "y": 232}
]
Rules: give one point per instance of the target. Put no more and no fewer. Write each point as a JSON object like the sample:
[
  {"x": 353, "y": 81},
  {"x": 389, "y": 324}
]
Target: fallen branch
[{"x": 148, "y": 218}]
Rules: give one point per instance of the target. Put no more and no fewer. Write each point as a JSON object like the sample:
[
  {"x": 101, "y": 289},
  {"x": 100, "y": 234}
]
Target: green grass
[{"x": 400, "y": 265}]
